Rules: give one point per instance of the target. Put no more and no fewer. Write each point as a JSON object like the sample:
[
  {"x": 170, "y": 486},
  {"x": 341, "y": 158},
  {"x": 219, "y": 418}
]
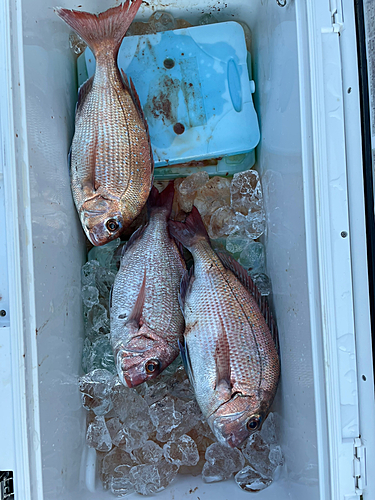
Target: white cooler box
[{"x": 307, "y": 99}]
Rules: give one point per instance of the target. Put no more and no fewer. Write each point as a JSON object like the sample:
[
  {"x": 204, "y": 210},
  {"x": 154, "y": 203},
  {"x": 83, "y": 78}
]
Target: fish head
[
  {"x": 102, "y": 220},
  {"x": 144, "y": 358},
  {"x": 235, "y": 420}
]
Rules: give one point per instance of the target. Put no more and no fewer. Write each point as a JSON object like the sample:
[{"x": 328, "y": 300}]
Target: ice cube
[
  {"x": 179, "y": 385},
  {"x": 221, "y": 462},
  {"x": 249, "y": 479},
  {"x": 246, "y": 192},
  {"x": 98, "y": 354},
  {"x": 129, "y": 406},
  {"x": 222, "y": 223},
  {"x": 116, "y": 457},
  {"x": 237, "y": 243},
  {"x": 182, "y": 451},
  {"x": 188, "y": 187},
  {"x": 177, "y": 213},
  {"x": 268, "y": 430},
  {"x": 263, "y": 283},
  {"x": 148, "y": 479},
  {"x": 162, "y": 21},
  {"x": 256, "y": 452},
  {"x": 207, "y": 19},
  {"x": 252, "y": 225},
  {"x": 213, "y": 195},
  {"x": 120, "y": 482},
  {"x": 252, "y": 257},
  {"x": 96, "y": 321},
  {"x": 96, "y": 388},
  {"x": 88, "y": 273},
  {"x": 97, "y": 435},
  {"x": 129, "y": 439},
  {"x": 76, "y": 43},
  {"x": 104, "y": 282},
  {"x": 149, "y": 453},
  {"x": 191, "y": 416},
  {"x": 90, "y": 296},
  {"x": 276, "y": 456},
  {"x": 154, "y": 390},
  {"x": 114, "y": 426},
  {"x": 104, "y": 254},
  {"x": 164, "y": 417}
]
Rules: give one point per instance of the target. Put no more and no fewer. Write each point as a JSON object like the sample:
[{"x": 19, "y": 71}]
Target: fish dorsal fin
[
  {"x": 222, "y": 362},
  {"x": 83, "y": 91},
  {"x": 133, "y": 238},
  {"x": 184, "y": 351},
  {"x": 184, "y": 286},
  {"x": 230, "y": 263},
  {"x": 136, "y": 313},
  {"x": 129, "y": 86}
]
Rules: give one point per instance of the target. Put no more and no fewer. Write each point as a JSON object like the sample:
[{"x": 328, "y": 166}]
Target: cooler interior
[{"x": 60, "y": 249}]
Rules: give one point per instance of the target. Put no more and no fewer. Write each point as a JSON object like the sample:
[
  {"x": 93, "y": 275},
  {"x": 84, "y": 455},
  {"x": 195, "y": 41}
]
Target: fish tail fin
[
  {"x": 109, "y": 26},
  {"x": 163, "y": 200},
  {"x": 190, "y": 231}
]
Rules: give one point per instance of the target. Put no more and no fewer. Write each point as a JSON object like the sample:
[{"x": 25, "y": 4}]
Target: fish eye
[
  {"x": 152, "y": 365},
  {"x": 253, "y": 424},
  {"x": 112, "y": 225}
]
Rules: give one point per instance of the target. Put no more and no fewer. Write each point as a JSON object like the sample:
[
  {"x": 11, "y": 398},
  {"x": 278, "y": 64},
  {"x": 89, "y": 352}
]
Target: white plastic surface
[{"x": 307, "y": 172}]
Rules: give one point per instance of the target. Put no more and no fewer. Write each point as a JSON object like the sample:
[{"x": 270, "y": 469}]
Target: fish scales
[
  {"x": 229, "y": 351},
  {"x": 151, "y": 262},
  {"x": 215, "y": 291},
  {"x": 111, "y": 156}
]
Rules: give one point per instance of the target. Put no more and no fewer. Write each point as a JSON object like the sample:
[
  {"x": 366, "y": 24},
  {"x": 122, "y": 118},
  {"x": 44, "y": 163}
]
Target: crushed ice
[{"x": 145, "y": 436}]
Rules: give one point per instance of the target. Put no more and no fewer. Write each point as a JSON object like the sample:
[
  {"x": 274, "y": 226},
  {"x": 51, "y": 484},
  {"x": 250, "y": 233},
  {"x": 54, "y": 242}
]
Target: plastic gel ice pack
[{"x": 195, "y": 91}]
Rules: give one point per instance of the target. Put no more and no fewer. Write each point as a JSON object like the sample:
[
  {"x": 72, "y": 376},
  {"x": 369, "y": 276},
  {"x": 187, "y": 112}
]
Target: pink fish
[
  {"x": 146, "y": 320},
  {"x": 111, "y": 157},
  {"x": 229, "y": 352}
]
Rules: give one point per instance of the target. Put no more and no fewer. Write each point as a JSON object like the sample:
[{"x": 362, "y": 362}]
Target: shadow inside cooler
[{"x": 60, "y": 246}]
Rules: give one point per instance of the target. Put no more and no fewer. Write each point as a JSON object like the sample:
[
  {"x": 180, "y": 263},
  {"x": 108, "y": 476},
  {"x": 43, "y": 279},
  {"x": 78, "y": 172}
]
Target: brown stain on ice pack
[{"x": 163, "y": 104}]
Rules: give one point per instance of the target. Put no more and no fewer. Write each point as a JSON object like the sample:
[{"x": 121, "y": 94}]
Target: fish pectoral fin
[
  {"x": 135, "y": 315},
  {"x": 222, "y": 361},
  {"x": 184, "y": 351}
]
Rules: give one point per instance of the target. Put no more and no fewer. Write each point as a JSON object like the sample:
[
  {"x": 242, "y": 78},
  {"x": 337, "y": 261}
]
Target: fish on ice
[
  {"x": 229, "y": 349},
  {"x": 146, "y": 321},
  {"x": 111, "y": 158}
]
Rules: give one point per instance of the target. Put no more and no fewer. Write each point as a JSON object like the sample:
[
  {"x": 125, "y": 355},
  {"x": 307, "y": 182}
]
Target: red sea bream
[
  {"x": 146, "y": 320},
  {"x": 111, "y": 157},
  {"x": 228, "y": 349}
]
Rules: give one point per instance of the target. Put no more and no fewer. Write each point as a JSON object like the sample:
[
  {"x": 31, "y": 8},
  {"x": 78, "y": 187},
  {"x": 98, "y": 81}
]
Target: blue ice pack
[{"x": 195, "y": 91}]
